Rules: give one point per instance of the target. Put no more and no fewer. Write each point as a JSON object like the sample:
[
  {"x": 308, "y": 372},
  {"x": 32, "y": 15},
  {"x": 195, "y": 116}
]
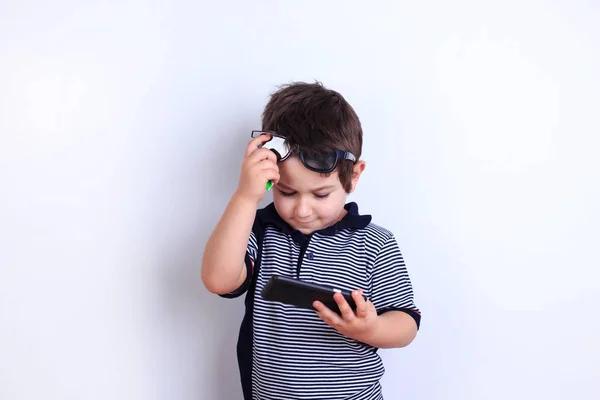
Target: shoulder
[
  {"x": 265, "y": 213},
  {"x": 377, "y": 235},
  {"x": 372, "y": 238},
  {"x": 267, "y": 216},
  {"x": 378, "y": 231}
]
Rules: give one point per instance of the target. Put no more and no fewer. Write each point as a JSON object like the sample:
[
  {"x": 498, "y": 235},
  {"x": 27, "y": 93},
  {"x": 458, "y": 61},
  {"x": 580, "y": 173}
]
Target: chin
[
  {"x": 309, "y": 228},
  {"x": 304, "y": 228}
]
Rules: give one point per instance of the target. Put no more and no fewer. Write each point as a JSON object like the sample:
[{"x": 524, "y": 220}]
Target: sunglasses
[{"x": 323, "y": 162}]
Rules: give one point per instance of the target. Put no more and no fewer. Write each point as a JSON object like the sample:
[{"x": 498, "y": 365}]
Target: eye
[
  {"x": 286, "y": 194},
  {"x": 321, "y": 196}
]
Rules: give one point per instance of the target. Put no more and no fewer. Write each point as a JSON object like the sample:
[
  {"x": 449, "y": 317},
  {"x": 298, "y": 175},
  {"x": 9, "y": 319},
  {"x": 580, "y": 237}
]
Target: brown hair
[{"x": 314, "y": 118}]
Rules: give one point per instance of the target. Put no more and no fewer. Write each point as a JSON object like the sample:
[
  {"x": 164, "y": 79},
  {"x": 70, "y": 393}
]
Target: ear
[{"x": 358, "y": 169}]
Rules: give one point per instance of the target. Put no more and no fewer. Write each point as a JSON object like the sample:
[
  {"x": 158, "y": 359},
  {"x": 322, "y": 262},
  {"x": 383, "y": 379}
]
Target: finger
[
  {"x": 265, "y": 169},
  {"x": 344, "y": 307},
  {"x": 371, "y": 307},
  {"x": 361, "y": 304},
  {"x": 268, "y": 163},
  {"x": 261, "y": 155},
  {"x": 272, "y": 175},
  {"x": 328, "y": 316},
  {"x": 256, "y": 143}
]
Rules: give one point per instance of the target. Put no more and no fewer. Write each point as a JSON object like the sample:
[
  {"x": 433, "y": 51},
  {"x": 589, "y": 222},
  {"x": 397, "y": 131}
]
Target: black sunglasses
[{"x": 322, "y": 162}]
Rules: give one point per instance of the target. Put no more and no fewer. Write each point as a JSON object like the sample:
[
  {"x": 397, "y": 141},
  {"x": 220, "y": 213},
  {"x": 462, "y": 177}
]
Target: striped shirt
[{"x": 286, "y": 352}]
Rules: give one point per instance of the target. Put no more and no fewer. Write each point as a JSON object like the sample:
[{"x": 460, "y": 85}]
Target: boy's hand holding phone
[
  {"x": 259, "y": 166},
  {"x": 357, "y": 325}
]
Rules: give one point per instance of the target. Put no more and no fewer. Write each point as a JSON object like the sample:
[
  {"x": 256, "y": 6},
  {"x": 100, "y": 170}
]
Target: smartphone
[{"x": 302, "y": 294}]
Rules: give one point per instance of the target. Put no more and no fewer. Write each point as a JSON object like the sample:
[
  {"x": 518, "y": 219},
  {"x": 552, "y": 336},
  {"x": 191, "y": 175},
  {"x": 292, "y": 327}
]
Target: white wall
[{"x": 122, "y": 126}]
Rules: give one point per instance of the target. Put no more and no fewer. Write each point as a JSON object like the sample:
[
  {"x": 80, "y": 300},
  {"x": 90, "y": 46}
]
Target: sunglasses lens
[{"x": 320, "y": 161}]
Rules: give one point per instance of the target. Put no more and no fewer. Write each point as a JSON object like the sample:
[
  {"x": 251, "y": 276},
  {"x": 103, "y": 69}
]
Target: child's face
[{"x": 306, "y": 200}]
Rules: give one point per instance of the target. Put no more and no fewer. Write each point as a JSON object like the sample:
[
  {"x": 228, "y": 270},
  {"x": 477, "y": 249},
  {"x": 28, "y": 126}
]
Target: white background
[{"x": 122, "y": 129}]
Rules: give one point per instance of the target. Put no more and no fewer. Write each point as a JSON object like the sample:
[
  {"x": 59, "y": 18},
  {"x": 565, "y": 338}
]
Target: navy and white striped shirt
[{"x": 285, "y": 352}]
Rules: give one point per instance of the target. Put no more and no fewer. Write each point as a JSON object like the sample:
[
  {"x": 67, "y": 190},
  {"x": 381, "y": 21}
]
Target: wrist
[
  {"x": 243, "y": 200},
  {"x": 369, "y": 335}
]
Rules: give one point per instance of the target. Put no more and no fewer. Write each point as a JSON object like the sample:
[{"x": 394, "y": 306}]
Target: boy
[{"x": 310, "y": 233}]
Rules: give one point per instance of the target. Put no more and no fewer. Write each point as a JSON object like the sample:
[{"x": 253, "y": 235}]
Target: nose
[{"x": 302, "y": 209}]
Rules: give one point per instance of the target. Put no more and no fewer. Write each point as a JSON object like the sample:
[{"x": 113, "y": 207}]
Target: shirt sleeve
[
  {"x": 249, "y": 261},
  {"x": 391, "y": 288}
]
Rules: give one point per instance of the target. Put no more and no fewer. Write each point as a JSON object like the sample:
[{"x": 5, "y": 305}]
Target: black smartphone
[{"x": 302, "y": 294}]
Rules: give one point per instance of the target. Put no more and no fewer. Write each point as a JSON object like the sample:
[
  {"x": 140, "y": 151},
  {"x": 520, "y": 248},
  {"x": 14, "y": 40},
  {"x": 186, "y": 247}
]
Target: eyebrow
[{"x": 284, "y": 186}]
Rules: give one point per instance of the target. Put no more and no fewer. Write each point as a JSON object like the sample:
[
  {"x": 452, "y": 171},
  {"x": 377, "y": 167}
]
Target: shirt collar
[{"x": 352, "y": 220}]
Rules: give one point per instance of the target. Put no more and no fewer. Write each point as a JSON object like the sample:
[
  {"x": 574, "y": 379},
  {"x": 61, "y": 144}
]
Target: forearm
[
  {"x": 392, "y": 329},
  {"x": 223, "y": 260}
]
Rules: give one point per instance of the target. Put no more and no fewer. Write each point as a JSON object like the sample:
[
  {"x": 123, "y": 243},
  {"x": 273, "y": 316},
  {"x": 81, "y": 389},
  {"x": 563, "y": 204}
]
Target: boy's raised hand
[
  {"x": 259, "y": 166},
  {"x": 358, "y": 326}
]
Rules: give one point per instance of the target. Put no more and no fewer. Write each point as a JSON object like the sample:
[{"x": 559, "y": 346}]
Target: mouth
[{"x": 304, "y": 222}]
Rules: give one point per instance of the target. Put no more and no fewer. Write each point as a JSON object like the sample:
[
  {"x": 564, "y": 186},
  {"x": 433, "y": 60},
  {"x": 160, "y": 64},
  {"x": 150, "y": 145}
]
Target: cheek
[
  {"x": 284, "y": 205},
  {"x": 331, "y": 208}
]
